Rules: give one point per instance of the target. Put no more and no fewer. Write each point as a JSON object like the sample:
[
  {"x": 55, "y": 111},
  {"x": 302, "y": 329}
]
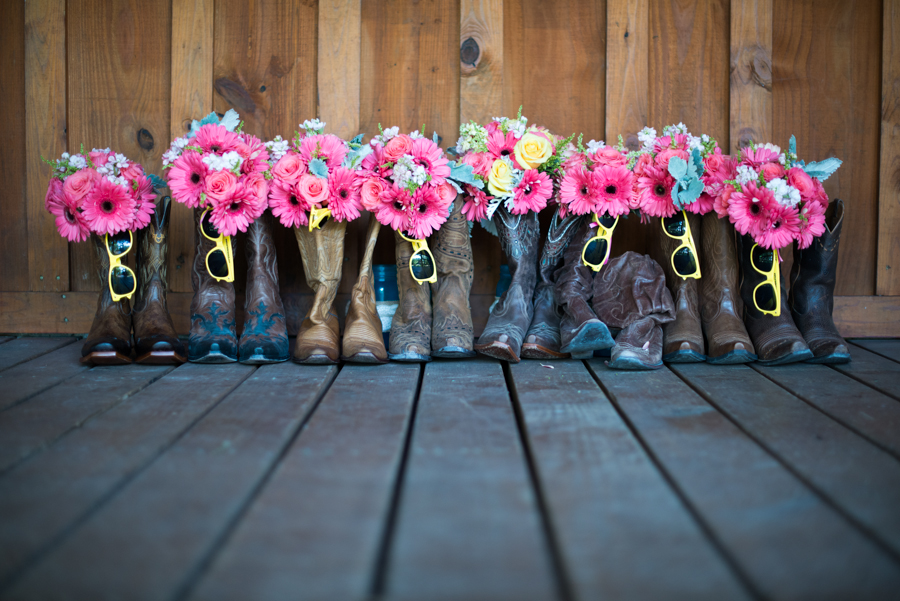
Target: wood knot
[
  {"x": 469, "y": 52},
  {"x": 236, "y": 95},
  {"x": 145, "y": 139}
]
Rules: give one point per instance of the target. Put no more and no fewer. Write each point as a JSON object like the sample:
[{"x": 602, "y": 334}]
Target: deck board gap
[{"x": 847, "y": 370}]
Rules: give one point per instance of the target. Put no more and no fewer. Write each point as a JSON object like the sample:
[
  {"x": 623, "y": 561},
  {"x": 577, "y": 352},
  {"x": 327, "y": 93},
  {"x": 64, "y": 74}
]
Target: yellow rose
[
  {"x": 533, "y": 150},
  {"x": 500, "y": 178}
]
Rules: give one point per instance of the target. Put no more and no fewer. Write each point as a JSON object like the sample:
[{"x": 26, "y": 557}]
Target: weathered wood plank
[
  {"x": 20, "y": 350},
  {"x": 889, "y": 348},
  {"x": 875, "y": 316},
  {"x": 25, "y": 380},
  {"x": 191, "y": 98},
  {"x": 481, "y": 60},
  {"x": 29, "y": 427},
  {"x": 863, "y": 480},
  {"x": 5, "y": 339},
  {"x": 45, "y": 136},
  {"x": 862, "y": 409},
  {"x": 786, "y": 540},
  {"x": 751, "y": 72},
  {"x": 315, "y": 530},
  {"x": 467, "y": 485},
  {"x": 873, "y": 370},
  {"x": 176, "y": 511},
  {"x": 623, "y": 533},
  {"x": 887, "y": 274},
  {"x": 44, "y": 498}
]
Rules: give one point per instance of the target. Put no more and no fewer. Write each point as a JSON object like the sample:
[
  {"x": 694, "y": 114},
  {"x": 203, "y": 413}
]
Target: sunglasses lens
[
  {"x": 595, "y": 251},
  {"x": 122, "y": 280},
  {"x": 607, "y": 221},
  {"x": 217, "y": 264},
  {"x": 684, "y": 262},
  {"x": 209, "y": 229},
  {"x": 675, "y": 225},
  {"x": 421, "y": 265},
  {"x": 119, "y": 244},
  {"x": 763, "y": 259},
  {"x": 765, "y": 297}
]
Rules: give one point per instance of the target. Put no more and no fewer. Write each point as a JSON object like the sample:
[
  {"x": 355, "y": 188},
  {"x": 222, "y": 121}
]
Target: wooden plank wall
[{"x": 132, "y": 75}]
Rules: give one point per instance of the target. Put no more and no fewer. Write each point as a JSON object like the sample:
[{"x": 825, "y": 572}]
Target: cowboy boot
[
  {"x": 811, "y": 298},
  {"x": 155, "y": 340},
  {"x": 581, "y": 332},
  {"x": 212, "y": 338},
  {"x": 684, "y": 336},
  {"x": 720, "y": 301},
  {"x": 410, "y": 340},
  {"x": 322, "y": 250},
  {"x": 109, "y": 342},
  {"x": 451, "y": 328},
  {"x": 363, "y": 340},
  {"x": 264, "y": 338},
  {"x": 509, "y": 320},
  {"x": 776, "y": 339},
  {"x": 542, "y": 339}
]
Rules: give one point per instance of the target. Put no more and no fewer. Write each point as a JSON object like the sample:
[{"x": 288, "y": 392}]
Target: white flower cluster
[
  {"x": 593, "y": 146},
  {"x": 391, "y": 132},
  {"x": 113, "y": 167},
  {"x": 229, "y": 161},
  {"x": 416, "y": 135},
  {"x": 408, "y": 174},
  {"x": 517, "y": 126},
  {"x": 174, "y": 151},
  {"x": 473, "y": 137},
  {"x": 313, "y": 126},
  {"x": 76, "y": 161},
  {"x": 746, "y": 174},
  {"x": 785, "y": 194},
  {"x": 647, "y": 137},
  {"x": 277, "y": 148},
  {"x": 679, "y": 128}
]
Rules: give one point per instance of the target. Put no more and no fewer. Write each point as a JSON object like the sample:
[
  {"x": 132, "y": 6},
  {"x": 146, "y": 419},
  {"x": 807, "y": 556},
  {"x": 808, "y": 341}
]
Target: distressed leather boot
[
  {"x": 684, "y": 336},
  {"x": 410, "y": 340},
  {"x": 451, "y": 328},
  {"x": 581, "y": 332},
  {"x": 727, "y": 341},
  {"x": 155, "y": 339},
  {"x": 811, "y": 298},
  {"x": 776, "y": 339},
  {"x": 109, "y": 342},
  {"x": 505, "y": 329},
  {"x": 212, "y": 338},
  {"x": 363, "y": 340},
  {"x": 264, "y": 339},
  {"x": 542, "y": 339},
  {"x": 322, "y": 250}
]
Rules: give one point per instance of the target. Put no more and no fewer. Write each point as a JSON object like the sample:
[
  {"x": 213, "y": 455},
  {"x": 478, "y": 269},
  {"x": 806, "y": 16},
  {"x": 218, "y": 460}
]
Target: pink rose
[
  {"x": 662, "y": 159},
  {"x": 79, "y": 184},
  {"x": 641, "y": 164},
  {"x": 220, "y": 185},
  {"x": 610, "y": 156},
  {"x": 798, "y": 178},
  {"x": 714, "y": 162},
  {"x": 289, "y": 168},
  {"x": 370, "y": 193},
  {"x": 99, "y": 158},
  {"x": 132, "y": 171},
  {"x": 256, "y": 183},
  {"x": 446, "y": 193},
  {"x": 772, "y": 171},
  {"x": 397, "y": 147},
  {"x": 314, "y": 190},
  {"x": 55, "y": 195}
]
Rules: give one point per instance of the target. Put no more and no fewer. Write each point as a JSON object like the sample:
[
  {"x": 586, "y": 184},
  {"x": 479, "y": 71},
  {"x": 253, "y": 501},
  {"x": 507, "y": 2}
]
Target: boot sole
[
  {"x": 316, "y": 360},
  {"x": 787, "y": 359},
  {"x": 106, "y": 358},
  {"x": 409, "y": 358},
  {"x": 367, "y": 358},
  {"x": 833, "y": 359},
  {"x": 261, "y": 360},
  {"x": 213, "y": 358},
  {"x": 632, "y": 365},
  {"x": 536, "y": 351},
  {"x": 453, "y": 352},
  {"x": 161, "y": 358},
  {"x": 684, "y": 357},
  {"x": 592, "y": 337},
  {"x": 498, "y": 350},
  {"x": 732, "y": 358}
]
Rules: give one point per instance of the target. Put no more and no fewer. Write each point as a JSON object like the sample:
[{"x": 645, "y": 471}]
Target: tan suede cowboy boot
[
  {"x": 410, "y": 340},
  {"x": 363, "y": 340},
  {"x": 109, "y": 342},
  {"x": 451, "y": 329}
]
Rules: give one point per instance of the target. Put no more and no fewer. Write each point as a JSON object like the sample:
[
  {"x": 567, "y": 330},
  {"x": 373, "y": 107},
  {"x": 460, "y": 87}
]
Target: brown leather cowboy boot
[
  {"x": 451, "y": 328},
  {"x": 721, "y": 308},
  {"x": 109, "y": 342},
  {"x": 322, "y": 251},
  {"x": 811, "y": 298},
  {"x": 212, "y": 338},
  {"x": 264, "y": 338},
  {"x": 363, "y": 340},
  {"x": 776, "y": 339},
  {"x": 581, "y": 332},
  {"x": 505, "y": 329},
  {"x": 684, "y": 336},
  {"x": 410, "y": 340},
  {"x": 542, "y": 339},
  {"x": 155, "y": 339}
]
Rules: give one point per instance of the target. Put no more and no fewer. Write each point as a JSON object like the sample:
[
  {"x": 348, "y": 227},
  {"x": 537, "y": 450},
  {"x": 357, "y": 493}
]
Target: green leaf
[
  {"x": 823, "y": 169},
  {"x": 678, "y": 168},
  {"x": 792, "y": 147},
  {"x": 195, "y": 125},
  {"x": 230, "y": 120},
  {"x": 318, "y": 168},
  {"x": 156, "y": 181},
  {"x": 465, "y": 175}
]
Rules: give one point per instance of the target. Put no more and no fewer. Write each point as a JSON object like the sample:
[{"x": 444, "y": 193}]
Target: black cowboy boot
[
  {"x": 811, "y": 298},
  {"x": 542, "y": 339},
  {"x": 264, "y": 338},
  {"x": 109, "y": 342}
]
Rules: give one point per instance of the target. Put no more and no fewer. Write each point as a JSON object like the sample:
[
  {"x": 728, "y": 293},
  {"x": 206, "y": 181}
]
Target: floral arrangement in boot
[
  {"x": 314, "y": 176},
  {"x": 217, "y": 166},
  {"x": 101, "y": 192},
  {"x": 513, "y": 163}
]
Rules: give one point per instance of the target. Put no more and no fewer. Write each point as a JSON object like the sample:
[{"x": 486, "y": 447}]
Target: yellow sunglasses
[
  {"x": 122, "y": 283},
  {"x": 219, "y": 261},
  {"x": 684, "y": 259},
  {"x": 421, "y": 263},
  {"x": 595, "y": 253},
  {"x": 767, "y": 294},
  {"x": 317, "y": 218}
]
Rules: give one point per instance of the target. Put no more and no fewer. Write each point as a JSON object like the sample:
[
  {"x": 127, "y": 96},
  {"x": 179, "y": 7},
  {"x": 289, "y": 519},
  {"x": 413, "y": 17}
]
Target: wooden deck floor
[{"x": 454, "y": 480}]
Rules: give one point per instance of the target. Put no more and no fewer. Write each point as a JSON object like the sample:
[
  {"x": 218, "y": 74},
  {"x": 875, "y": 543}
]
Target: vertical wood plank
[
  {"x": 192, "y": 86},
  {"x": 751, "y": 72},
  {"x": 13, "y": 208},
  {"x": 887, "y": 276},
  {"x": 118, "y": 90},
  {"x": 45, "y": 135}
]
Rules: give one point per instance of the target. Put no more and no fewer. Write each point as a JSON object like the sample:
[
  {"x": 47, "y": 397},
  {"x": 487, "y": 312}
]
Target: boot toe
[
  {"x": 275, "y": 351},
  {"x": 734, "y": 354},
  {"x": 213, "y": 351},
  {"x": 632, "y": 361},
  {"x": 592, "y": 335},
  {"x": 499, "y": 349},
  {"x": 790, "y": 352},
  {"x": 831, "y": 355},
  {"x": 685, "y": 352}
]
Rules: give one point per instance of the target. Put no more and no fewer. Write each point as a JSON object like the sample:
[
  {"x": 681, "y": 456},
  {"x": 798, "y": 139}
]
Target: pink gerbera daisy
[
  {"x": 394, "y": 208},
  {"x": 500, "y": 145},
  {"x": 614, "y": 189},
  {"x": 532, "y": 193},
  {"x": 254, "y": 153},
  {"x": 749, "y": 209},
  {"x": 428, "y": 154},
  {"x": 144, "y": 197},
  {"x": 343, "y": 194},
  {"x": 55, "y": 196},
  {"x": 215, "y": 138},
  {"x": 679, "y": 141},
  {"x": 327, "y": 147},
  {"x": 701, "y": 206},
  {"x": 812, "y": 223},
  {"x": 236, "y": 213},
  {"x": 287, "y": 204},
  {"x": 579, "y": 191},
  {"x": 784, "y": 228},
  {"x": 758, "y": 157},
  {"x": 655, "y": 192},
  {"x": 427, "y": 212},
  {"x": 108, "y": 208},
  {"x": 70, "y": 221},
  {"x": 186, "y": 178},
  {"x": 476, "y": 205}
]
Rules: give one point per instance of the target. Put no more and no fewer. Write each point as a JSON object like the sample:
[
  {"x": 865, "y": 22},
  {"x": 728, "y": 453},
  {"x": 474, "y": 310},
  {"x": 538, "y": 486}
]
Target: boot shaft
[
  {"x": 104, "y": 300},
  {"x": 152, "y": 250},
  {"x": 559, "y": 235},
  {"x": 322, "y": 252},
  {"x": 814, "y": 272},
  {"x": 262, "y": 263}
]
